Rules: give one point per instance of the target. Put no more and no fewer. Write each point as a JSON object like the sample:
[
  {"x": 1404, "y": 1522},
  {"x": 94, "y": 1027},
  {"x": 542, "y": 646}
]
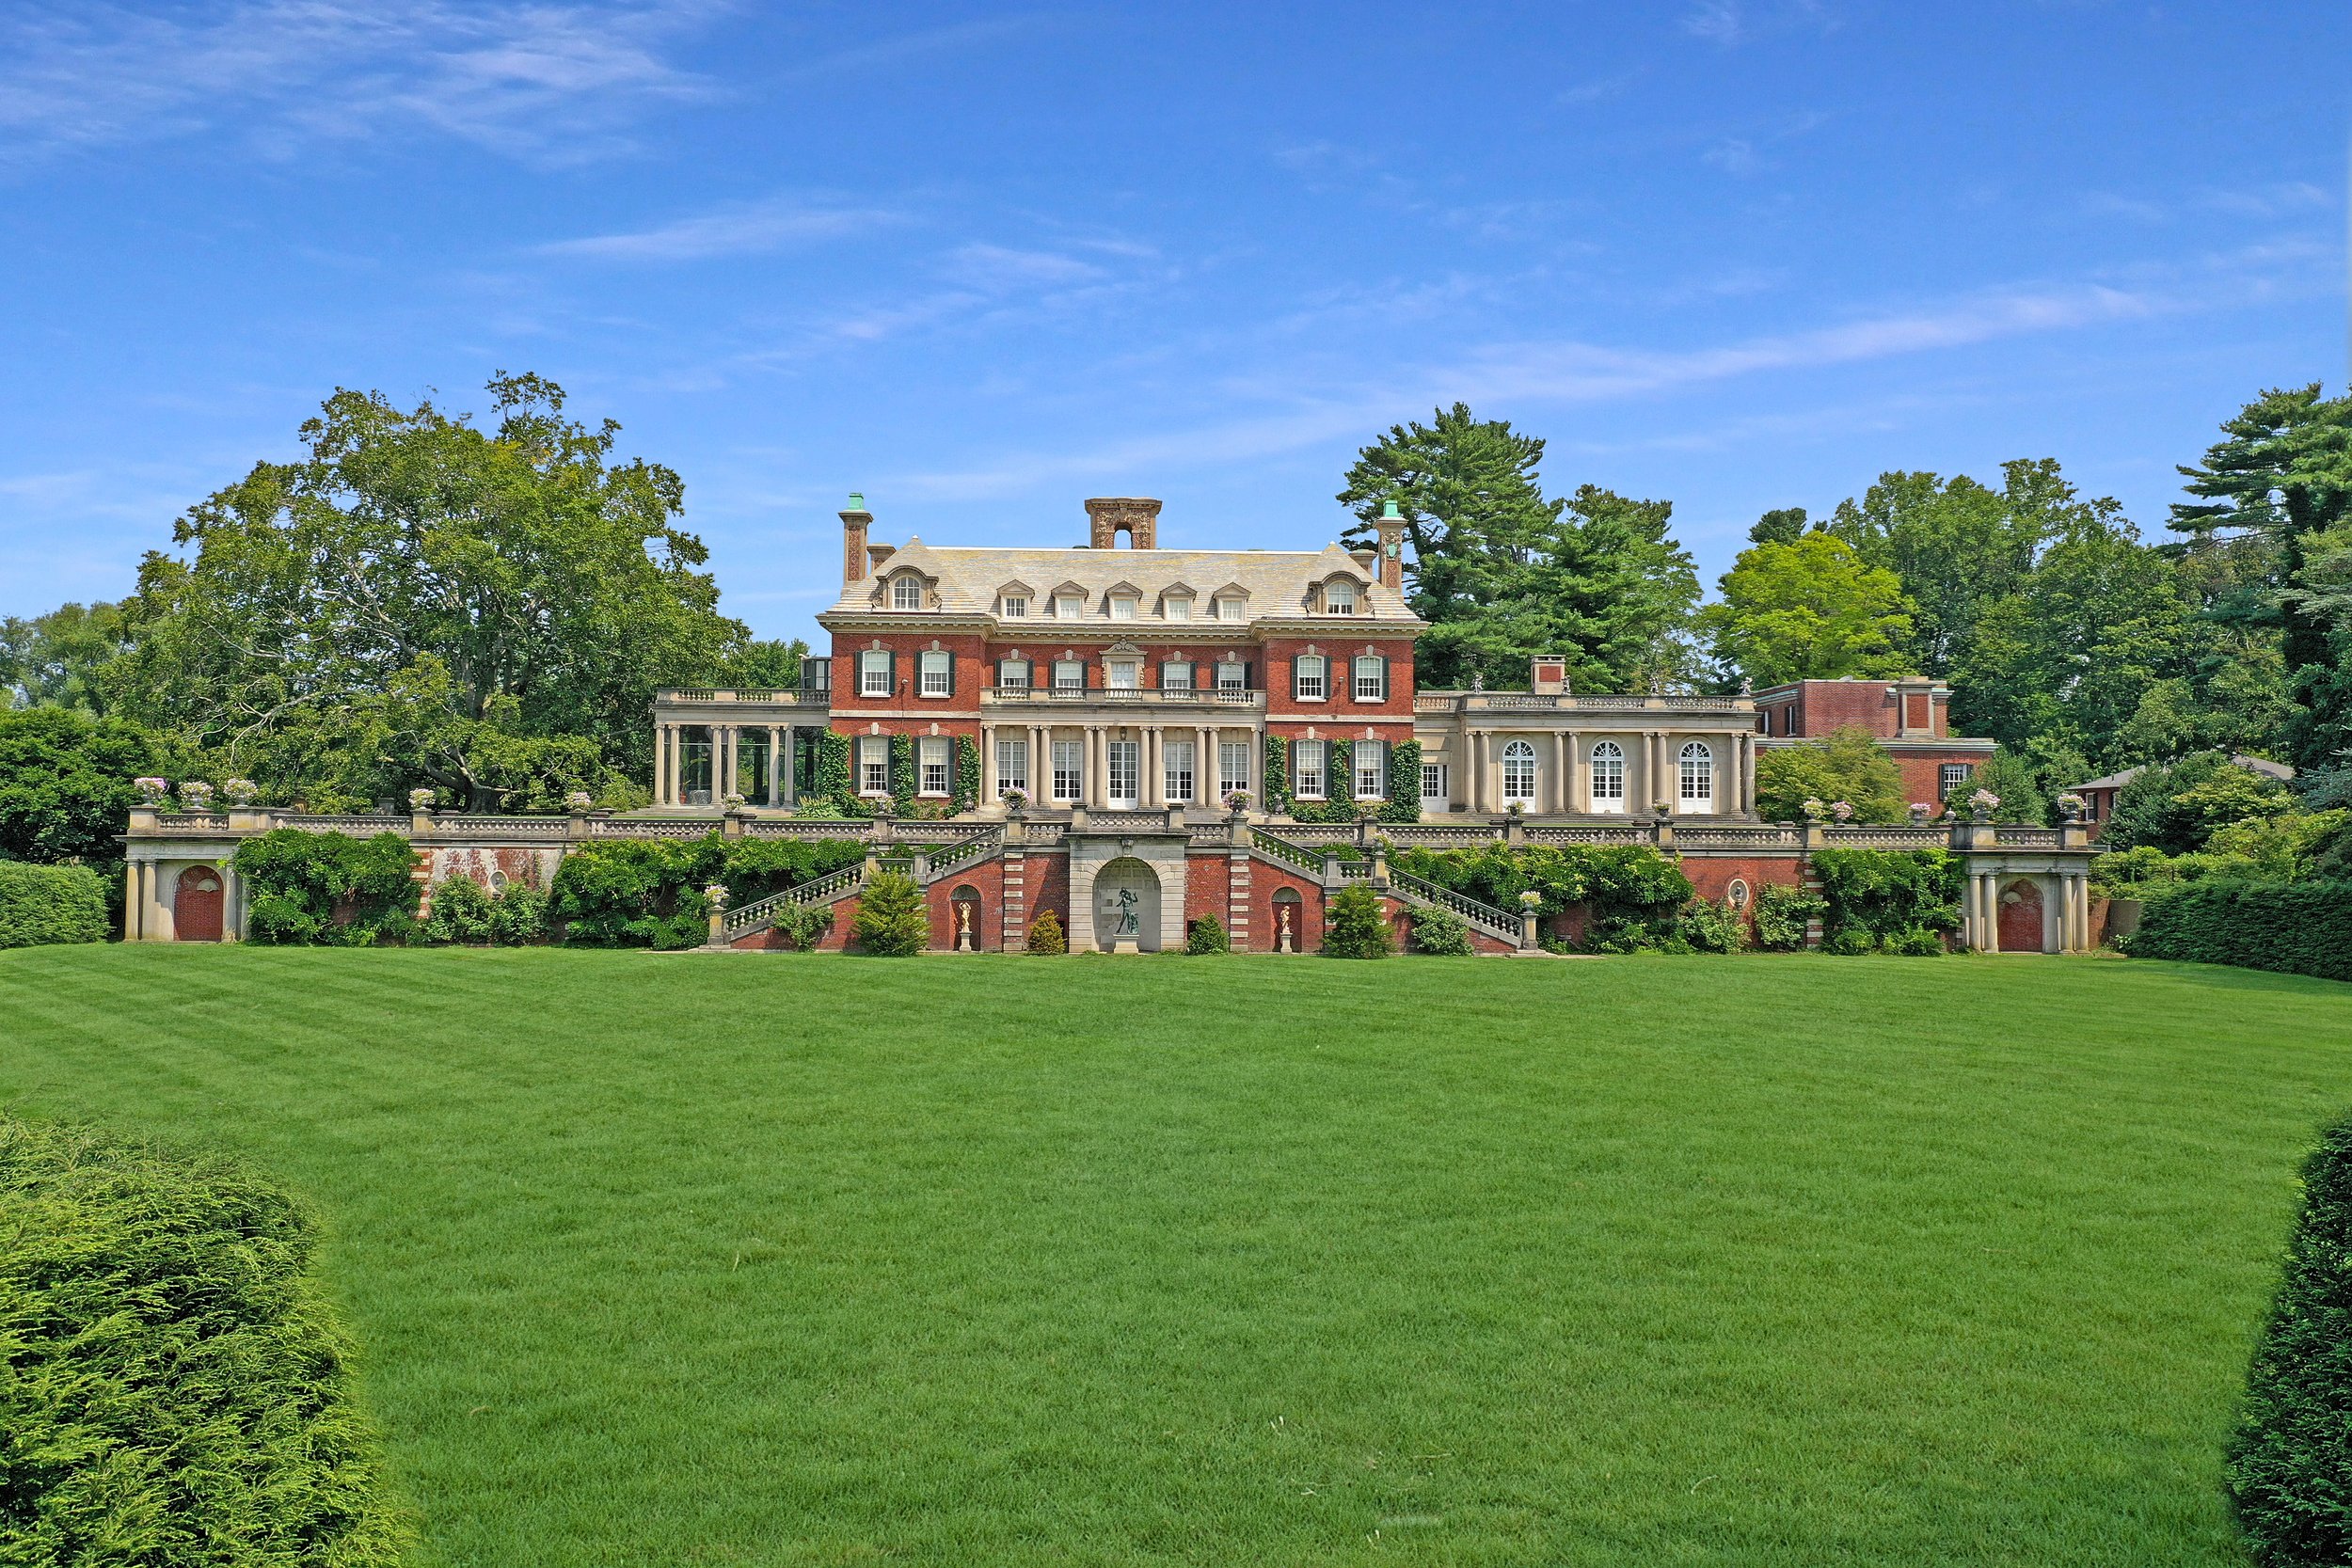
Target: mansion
[{"x": 1135, "y": 738}]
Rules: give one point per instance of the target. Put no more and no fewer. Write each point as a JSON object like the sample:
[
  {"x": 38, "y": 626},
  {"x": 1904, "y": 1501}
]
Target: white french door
[
  {"x": 1434, "y": 793},
  {"x": 1126, "y": 773}
]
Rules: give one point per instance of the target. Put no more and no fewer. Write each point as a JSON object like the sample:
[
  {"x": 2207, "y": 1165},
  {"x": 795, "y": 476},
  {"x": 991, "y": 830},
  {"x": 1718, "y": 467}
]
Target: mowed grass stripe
[{"x": 769, "y": 1260}]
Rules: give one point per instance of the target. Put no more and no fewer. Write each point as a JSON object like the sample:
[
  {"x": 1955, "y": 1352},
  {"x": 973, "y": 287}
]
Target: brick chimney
[
  {"x": 1139, "y": 516},
  {"x": 1391, "y": 549},
  {"x": 855, "y": 520}
]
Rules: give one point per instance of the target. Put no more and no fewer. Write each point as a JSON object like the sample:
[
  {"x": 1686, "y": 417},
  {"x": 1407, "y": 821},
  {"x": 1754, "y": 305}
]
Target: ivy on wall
[
  {"x": 902, "y": 773},
  {"x": 1403, "y": 802},
  {"x": 1275, "y": 776},
  {"x": 967, "y": 774},
  {"x": 1339, "y": 795},
  {"x": 1888, "y": 900}
]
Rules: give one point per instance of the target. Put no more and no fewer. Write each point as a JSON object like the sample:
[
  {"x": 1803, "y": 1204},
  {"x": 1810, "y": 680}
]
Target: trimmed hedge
[
  {"x": 2296, "y": 928},
  {"x": 1354, "y": 926},
  {"x": 893, "y": 921},
  {"x": 175, "y": 1391},
  {"x": 44, "y": 903},
  {"x": 2290, "y": 1460}
]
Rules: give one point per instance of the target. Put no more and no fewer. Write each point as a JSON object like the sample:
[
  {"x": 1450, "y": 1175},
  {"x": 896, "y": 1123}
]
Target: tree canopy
[{"x": 1808, "y": 609}]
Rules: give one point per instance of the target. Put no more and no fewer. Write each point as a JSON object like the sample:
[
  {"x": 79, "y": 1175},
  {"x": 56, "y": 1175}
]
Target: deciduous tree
[{"x": 1813, "y": 609}]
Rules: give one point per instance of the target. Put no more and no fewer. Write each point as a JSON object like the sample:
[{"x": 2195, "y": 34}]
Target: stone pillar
[
  {"x": 777, "y": 763},
  {"x": 1040, "y": 763},
  {"x": 1151, "y": 789},
  {"x": 1474, "y": 758},
  {"x": 1204, "y": 790},
  {"x": 132, "y": 908},
  {"x": 1097, "y": 782}
]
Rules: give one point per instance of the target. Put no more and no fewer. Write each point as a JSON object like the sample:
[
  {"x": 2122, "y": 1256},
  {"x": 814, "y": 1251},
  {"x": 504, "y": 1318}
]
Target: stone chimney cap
[
  {"x": 1387, "y": 509},
  {"x": 857, "y": 502}
]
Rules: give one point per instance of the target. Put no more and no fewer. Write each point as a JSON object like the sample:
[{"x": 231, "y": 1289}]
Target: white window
[
  {"x": 1178, "y": 607},
  {"x": 1339, "y": 599},
  {"x": 1014, "y": 607},
  {"x": 936, "y": 670},
  {"x": 1518, "y": 771},
  {"x": 1013, "y": 674},
  {"x": 1122, "y": 606},
  {"x": 1371, "y": 758},
  {"x": 1012, "y": 765},
  {"x": 1232, "y": 766},
  {"x": 1068, "y": 768},
  {"x": 1608, "y": 776},
  {"x": 1372, "y": 679},
  {"x": 1307, "y": 769},
  {"x": 906, "y": 593},
  {"x": 1698, "y": 777},
  {"x": 1068, "y": 606},
  {"x": 1124, "y": 761},
  {"x": 1309, "y": 674},
  {"x": 1176, "y": 758},
  {"x": 1070, "y": 674},
  {"x": 1122, "y": 674},
  {"x": 931, "y": 754},
  {"x": 873, "y": 673},
  {"x": 873, "y": 771},
  {"x": 1232, "y": 675},
  {"x": 1230, "y": 608},
  {"x": 1952, "y": 776},
  {"x": 1433, "y": 787},
  {"x": 1176, "y": 676}
]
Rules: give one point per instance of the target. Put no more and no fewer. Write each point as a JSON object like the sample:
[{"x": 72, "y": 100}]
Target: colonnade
[
  {"x": 1564, "y": 771},
  {"x": 1150, "y": 741},
  {"x": 2067, "y": 925},
  {"x": 726, "y": 762}
]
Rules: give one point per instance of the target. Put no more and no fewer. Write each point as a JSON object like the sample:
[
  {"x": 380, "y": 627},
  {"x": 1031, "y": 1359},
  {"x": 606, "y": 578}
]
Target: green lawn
[{"x": 777, "y": 1260}]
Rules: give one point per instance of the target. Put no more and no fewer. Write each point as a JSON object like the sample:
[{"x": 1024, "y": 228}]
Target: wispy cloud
[
  {"x": 2284, "y": 199},
  {"x": 739, "y": 230},
  {"x": 546, "y": 82},
  {"x": 1731, "y": 23}
]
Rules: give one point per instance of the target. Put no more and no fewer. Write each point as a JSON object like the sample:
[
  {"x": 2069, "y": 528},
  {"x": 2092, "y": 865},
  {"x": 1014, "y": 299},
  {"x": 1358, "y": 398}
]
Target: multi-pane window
[
  {"x": 1232, "y": 675},
  {"x": 1014, "y": 607},
  {"x": 1608, "y": 778},
  {"x": 1230, "y": 608},
  {"x": 936, "y": 670},
  {"x": 1518, "y": 771},
  {"x": 873, "y": 764},
  {"x": 930, "y": 756},
  {"x": 1952, "y": 776},
  {"x": 1698, "y": 777},
  {"x": 1232, "y": 766},
  {"x": 1339, "y": 599},
  {"x": 1122, "y": 606},
  {"x": 1012, "y": 765},
  {"x": 1176, "y": 759},
  {"x": 1178, "y": 607},
  {"x": 1433, "y": 790},
  {"x": 873, "y": 673},
  {"x": 906, "y": 593},
  {"x": 1068, "y": 768},
  {"x": 1176, "y": 676},
  {"x": 1013, "y": 673},
  {"x": 1372, "y": 678},
  {"x": 1308, "y": 677},
  {"x": 1070, "y": 674},
  {"x": 1307, "y": 769},
  {"x": 1122, "y": 674},
  {"x": 1124, "y": 761},
  {"x": 1068, "y": 606},
  {"x": 1371, "y": 758}
]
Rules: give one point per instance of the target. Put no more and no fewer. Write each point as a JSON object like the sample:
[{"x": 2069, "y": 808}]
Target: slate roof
[
  {"x": 2263, "y": 766},
  {"x": 1278, "y": 582}
]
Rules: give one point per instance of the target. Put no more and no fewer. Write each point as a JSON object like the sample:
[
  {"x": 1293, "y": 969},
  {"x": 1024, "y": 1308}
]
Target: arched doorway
[
  {"x": 964, "y": 923},
  {"x": 1127, "y": 906},
  {"x": 196, "y": 904},
  {"x": 2020, "y": 917}
]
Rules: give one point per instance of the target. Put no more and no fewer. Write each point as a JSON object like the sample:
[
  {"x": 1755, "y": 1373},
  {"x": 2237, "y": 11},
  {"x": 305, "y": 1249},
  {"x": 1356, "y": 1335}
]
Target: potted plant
[
  {"x": 731, "y": 802},
  {"x": 153, "y": 791},
  {"x": 1920, "y": 812},
  {"x": 1812, "y": 809},
  {"x": 578, "y": 802},
  {"x": 239, "y": 792},
  {"x": 196, "y": 794},
  {"x": 1238, "y": 801},
  {"x": 1843, "y": 810},
  {"x": 420, "y": 800},
  {"x": 2071, "y": 807},
  {"x": 1982, "y": 804}
]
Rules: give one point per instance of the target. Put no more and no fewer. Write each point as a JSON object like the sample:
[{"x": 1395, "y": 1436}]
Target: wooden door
[
  {"x": 196, "y": 904},
  {"x": 2021, "y": 918}
]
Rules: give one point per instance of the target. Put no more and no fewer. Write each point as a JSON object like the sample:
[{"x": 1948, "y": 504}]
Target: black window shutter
[
  {"x": 1384, "y": 678},
  {"x": 893, "y": 657},
  {"x": 951, "y": 673}
]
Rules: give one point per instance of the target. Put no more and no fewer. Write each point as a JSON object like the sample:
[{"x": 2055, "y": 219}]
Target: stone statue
[
  {"x": 963, "y": 925},
  {"x": 1282, "y": 942},
  {"x": 1122, "y": 909}
]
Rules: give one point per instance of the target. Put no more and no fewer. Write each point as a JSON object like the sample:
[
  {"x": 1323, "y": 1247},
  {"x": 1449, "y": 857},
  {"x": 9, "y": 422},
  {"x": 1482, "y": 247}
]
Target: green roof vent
[
  {"x": 1387, "y": 509},
  {"x": 857, "y": 502}
]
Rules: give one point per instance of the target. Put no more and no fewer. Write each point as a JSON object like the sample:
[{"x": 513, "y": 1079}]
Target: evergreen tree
[
  {"x": 1502, "y": 574},
  {"x": 1354, "y": 926},
  {"x": 892, "y": 920},
  {"x": 1783, "y": 524}
]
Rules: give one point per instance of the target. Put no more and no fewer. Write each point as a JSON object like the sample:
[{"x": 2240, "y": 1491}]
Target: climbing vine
[
  {"x": 967, "y": 774},
  {"x": 902, "y": 780}
]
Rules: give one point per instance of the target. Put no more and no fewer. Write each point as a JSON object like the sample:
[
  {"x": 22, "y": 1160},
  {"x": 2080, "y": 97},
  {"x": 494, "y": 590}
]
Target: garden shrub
[
  {"x": 1879, "y": 899},
  {"x": 1709, "y": 927},
  {"x": 2289, "y": 1466},
  {"x": 2176, "y": 806},
  {"x": 647, "y": 892},
  {"x": 1631, "y": 893},
  {"x": 45, "y": 904},
  {"x": 1045, "y": 936},
  {"x": 1354, "y": 926},
  {"x": 461, "y": 912},
  {"x": 176, "y": 1391},
  {"x": 519, "y": 917},
  {"x": 2296, "y": 928},
  {"x": 892, "y": 919},
  {"x": 1783, "y": 915},
  {"x": 314, "y": 887},
  {"x": 802, "y": 927},
  {"x": 1846, "y": 764},
  {"x": 1441, "y": 933},
  {"x": 1207, "y": 935}
]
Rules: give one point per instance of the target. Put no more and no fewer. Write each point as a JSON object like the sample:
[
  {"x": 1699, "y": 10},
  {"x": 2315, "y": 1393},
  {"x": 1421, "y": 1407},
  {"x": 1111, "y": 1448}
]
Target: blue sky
[{"x": 983, "y": 262}]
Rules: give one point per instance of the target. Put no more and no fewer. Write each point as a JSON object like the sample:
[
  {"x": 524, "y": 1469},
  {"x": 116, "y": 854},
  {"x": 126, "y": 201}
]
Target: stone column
[
  {"x": 989, "y": 788},
  {"x": 1474, "y": 760},
  {"x": 1040, "y": 763},
  {"x": 1096, "y": 785},
  {"x": 1204, "y": 791},
  {"x": 660, "y": 750},
  {"x": 131, "y": 910},
  {"x": 775, "y": 773},
  {"x": 1151, "y": 789}
]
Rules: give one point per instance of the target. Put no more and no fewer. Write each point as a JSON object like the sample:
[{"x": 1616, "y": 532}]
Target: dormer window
[
  {"x": 1014, "y": 607},
  {"x": 1231, "y": 606},
  {"x": 906, "y": 593},
  {"x": 1068, "y": 606},
  {"x": 1122, "y": 606},
  {"x": 1339, "y": 599}
]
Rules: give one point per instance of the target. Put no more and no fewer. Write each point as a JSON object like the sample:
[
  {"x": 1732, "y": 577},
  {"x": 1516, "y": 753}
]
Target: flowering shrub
[
  {"x": 1813, "y": 810},
  {"x": 1983, "y": 802},
  {"x": 1237, "y": 801},
  {"x": 152, "y": 792},
  {"x": 239, "y": 792},
  {"x": 731, "y": 801},
  {"x": 1841, "y": 810},
  {"x": 1441, "y": 933}
]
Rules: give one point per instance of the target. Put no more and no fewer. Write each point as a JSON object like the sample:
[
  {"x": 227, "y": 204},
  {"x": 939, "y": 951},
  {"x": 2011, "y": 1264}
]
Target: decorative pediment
[
  {"x": 1122, "y": 586},
  {"x": 1015, "y": 589},
  {"x": 1123, "y": 646}
]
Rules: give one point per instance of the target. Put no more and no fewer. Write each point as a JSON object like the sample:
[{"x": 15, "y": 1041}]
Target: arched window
[
  {"x": 1518, "y": 771},
  {"x": 1608, "y": 776},
  {"x": 1339, "y": 599},
  {"x": 906, "y": 593},
  {"x": 1698, "y": 777}
]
